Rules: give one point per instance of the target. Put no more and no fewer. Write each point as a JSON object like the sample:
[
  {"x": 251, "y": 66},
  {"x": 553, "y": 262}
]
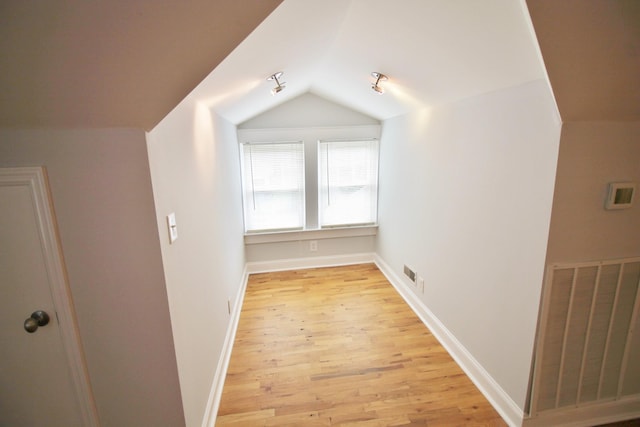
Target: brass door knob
[{"x": 37, "y": 319}]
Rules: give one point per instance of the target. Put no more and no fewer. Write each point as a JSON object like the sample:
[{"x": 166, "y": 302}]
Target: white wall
[
  {"x": 101, "y": 191},
  {"x": 330, "y": 247},
  {"x": 465, "y": 199},
  {"x": 593, "y": 154},
  {"x": 308, "y": 110},
  {"x": 195, "y": 172},
  {"x": 309, "y": 118}
]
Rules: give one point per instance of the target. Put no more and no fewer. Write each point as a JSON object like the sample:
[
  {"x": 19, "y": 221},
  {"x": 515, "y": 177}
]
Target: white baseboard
[
  {"x": 505, "y": 406},
  {"x": 311, "y": 262},
  {"x": 500, "y": 400},
  {"x": 575, "y": 417},
  {"x": 588, "y": 415},
  {"x": 213, "y": 403}
]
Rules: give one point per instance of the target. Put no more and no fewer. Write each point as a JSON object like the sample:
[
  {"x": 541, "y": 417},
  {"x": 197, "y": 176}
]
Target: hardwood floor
[
  {"x": 339, "y": 346},
  {"x": 629, "y": 423}
]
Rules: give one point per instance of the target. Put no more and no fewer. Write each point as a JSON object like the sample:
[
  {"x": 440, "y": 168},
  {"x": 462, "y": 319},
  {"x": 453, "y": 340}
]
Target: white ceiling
[
  {"x": 433, "y": 51},
  {"x": 128, "y": 63}
]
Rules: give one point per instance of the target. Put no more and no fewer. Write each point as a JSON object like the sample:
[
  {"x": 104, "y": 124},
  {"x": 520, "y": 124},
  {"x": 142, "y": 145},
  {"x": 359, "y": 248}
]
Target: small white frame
[{"x": 620, "y": 195}]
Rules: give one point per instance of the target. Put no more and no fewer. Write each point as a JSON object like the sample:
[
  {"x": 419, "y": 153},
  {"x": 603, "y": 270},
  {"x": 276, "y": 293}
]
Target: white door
[{"x": 42, "y": 380}]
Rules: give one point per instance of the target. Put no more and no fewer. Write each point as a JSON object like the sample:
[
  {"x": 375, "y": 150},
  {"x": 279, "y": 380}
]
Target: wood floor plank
[{"x": 339, "y": 347}]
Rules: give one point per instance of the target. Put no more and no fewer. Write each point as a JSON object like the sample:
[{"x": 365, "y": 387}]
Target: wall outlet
[
  {"x": 313, "y": 245},
  {"x": 421, "y": 284}
]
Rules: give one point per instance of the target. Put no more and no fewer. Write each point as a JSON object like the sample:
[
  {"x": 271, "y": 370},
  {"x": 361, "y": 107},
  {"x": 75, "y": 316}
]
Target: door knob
[{"x": 38, "y": 318}]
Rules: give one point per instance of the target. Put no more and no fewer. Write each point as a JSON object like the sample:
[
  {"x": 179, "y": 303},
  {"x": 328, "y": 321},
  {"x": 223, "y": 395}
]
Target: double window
[{"x": 273, "y": 182}]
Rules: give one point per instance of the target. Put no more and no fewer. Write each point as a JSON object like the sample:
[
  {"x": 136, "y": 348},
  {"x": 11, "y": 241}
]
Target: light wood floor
[{"x": 339, "y": 346}]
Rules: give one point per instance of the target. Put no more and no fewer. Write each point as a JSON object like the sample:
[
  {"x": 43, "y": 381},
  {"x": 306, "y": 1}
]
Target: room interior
[{"x": 502, "y": 125}]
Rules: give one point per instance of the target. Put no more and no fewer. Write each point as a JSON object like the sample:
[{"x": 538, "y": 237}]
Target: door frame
[{"x": 36, "y": 180}]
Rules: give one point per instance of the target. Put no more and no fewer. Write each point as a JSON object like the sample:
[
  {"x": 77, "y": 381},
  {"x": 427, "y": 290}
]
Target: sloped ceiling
[
  {"x": 591, "y": 49},
  {"x": 433, "y": 51},
  {"x": 112, "y": 63},
  {"x": 127, "y": 63}
]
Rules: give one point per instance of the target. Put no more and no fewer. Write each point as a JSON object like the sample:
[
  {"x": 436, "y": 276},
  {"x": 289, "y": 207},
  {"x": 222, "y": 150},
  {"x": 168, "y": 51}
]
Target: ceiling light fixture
[
  {"x": 379, "y": 77},
  {"x": 279, "y": 86}
]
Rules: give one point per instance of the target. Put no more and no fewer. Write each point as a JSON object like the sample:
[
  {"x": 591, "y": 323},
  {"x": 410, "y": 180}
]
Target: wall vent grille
[
  {"x": 410, "y": 273},
  {"x": 589, "y": 336}
]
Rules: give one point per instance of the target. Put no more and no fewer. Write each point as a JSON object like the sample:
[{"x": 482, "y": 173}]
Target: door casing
[{"x": 35, "y": 179}]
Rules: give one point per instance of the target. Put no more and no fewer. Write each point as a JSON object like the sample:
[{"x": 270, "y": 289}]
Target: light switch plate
[{"x": 172, "y": 226}]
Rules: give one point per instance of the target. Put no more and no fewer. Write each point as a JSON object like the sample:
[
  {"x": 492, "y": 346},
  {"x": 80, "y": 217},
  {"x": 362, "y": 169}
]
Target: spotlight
[
  {"x": 379, "y": 77},
  {"x": 279, "y": 86}
]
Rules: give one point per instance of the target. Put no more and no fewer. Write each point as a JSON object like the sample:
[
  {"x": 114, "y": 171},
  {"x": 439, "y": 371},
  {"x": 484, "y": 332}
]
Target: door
[{"x": 42, "y": 377}]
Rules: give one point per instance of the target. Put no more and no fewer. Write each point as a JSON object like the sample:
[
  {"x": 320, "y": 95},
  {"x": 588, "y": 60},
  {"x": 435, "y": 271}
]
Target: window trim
[
  {"x": 316, "y": 234},
  {"x": 242, "y": 146},
  {"x": 310, "y": 137},
  {"x": 375, "y": 142}
]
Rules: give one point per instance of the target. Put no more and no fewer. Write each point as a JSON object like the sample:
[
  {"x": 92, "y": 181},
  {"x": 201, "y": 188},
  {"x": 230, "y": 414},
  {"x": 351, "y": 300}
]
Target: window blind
[
  {"x": 273, "y": 186},
  {"x": 347, "y": 182}
]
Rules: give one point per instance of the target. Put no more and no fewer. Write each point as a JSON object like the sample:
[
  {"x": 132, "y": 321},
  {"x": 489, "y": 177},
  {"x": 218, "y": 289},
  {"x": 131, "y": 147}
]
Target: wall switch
[
  {"x": 421, "y": 284},
  {"x": 313, "y": 245},
  {"x": 172, "y": 226}
]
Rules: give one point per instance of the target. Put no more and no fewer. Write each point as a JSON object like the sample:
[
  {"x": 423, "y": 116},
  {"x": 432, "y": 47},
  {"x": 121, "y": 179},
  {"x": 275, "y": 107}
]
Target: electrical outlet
[
  {"x": 313, "y": 245},
  {"x": 421, "y": 284}
]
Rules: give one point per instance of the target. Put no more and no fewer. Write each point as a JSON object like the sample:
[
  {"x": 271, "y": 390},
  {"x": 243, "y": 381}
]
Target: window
[
  {"x": 347, "y": 182},
  {"x": 273, "y": 186},
  {"x": 309, "y": 182}
]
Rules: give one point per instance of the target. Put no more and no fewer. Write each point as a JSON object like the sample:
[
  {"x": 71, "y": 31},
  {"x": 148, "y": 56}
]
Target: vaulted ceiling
[
  {"x": 591, "y": 49},
  {"x": 128, "y": 63},
  {"x": 433, "y": 51},
  {"x": 112, "y": 63}
]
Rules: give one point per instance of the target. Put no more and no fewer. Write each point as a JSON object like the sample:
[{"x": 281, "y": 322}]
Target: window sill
[{"x": 327, "y": 233}]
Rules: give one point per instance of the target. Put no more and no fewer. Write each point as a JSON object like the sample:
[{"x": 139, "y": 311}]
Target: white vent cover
[{"x": 589, "y": 336}]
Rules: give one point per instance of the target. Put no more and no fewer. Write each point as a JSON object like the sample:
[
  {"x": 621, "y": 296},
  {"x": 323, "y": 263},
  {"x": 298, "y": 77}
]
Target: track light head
[
  {"x": 375, "y": 86},
  {"x": 279, "y": 86}
]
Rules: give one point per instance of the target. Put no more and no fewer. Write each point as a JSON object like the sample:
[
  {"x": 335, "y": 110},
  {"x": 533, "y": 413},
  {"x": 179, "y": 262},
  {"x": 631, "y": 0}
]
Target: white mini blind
[
  {"x": 347, "y": 183},
  {"x": 273, "y": 186}
]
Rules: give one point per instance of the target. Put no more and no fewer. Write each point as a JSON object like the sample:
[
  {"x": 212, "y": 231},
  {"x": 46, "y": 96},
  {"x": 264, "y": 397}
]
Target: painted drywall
[
  {"x": 465, "y": 200},
  {"x": 301, "y": 248},
  {"x": 308, "y": 110},
  {"x": 194, "y": 163},
  {"x": 309, "y": 118},
  {"x": 102, "y": 196},
  {"x": 593, "y": 154}
]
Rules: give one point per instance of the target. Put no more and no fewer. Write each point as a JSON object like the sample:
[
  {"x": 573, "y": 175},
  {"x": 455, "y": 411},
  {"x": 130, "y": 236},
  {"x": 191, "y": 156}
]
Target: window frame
[
  {"x": 371, "y": 183},
  {"x": 310, "y": 137},
  {"x": 245, "y": 210}
]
